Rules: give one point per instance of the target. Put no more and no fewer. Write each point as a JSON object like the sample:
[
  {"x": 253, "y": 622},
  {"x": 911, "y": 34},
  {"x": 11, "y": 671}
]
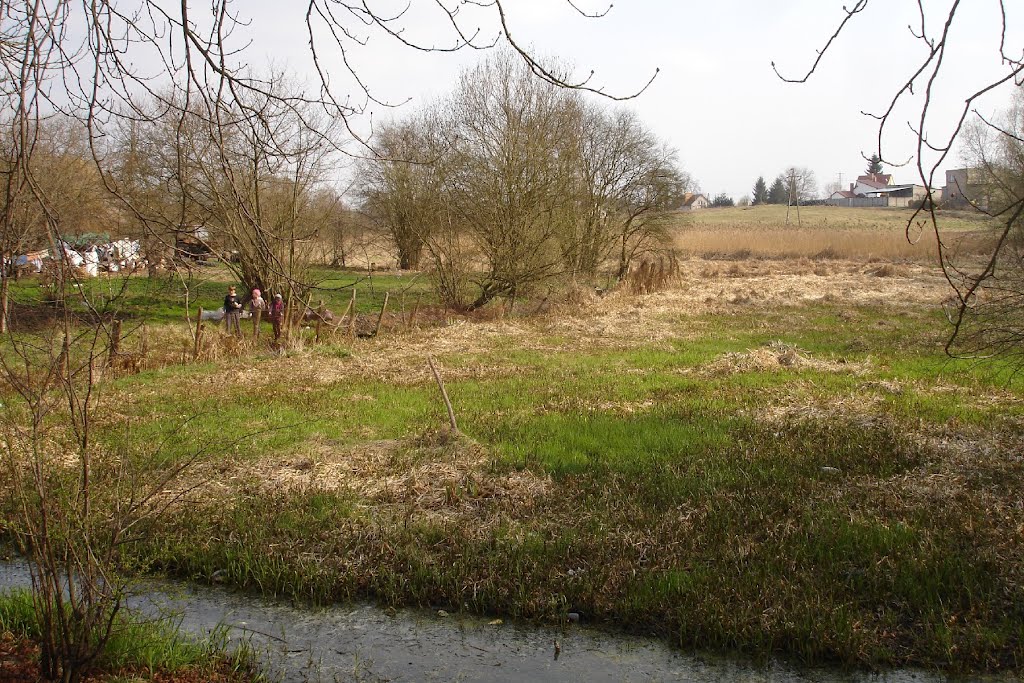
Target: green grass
[
  {"x": 794, "y": 510},
  {"x": 140, "y": 645},
  {"x": 162, "y": 299}
]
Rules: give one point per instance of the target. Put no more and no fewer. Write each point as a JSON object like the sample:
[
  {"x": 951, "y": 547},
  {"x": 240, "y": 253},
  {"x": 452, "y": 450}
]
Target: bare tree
[
  {"x": 991, "y": 322},
  {"x": 628, "y": 178},
  {"x": 401, "y": 187},
  {"x": 978, "y": 328},
  {"x": 507, "y": 182}
]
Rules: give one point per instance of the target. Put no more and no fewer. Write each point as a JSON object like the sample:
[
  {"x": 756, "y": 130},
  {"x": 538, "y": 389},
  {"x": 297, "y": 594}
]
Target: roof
[
  {"x": 892, "y": 188},
  {"x": 689, "y": 198},
  {"x": 875, "y": 180},
  {"x": 842, "y": 194}
]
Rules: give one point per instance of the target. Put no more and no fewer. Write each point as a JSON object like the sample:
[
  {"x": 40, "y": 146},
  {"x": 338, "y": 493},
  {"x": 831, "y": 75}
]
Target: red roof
[{"x": 876, "y": 180}]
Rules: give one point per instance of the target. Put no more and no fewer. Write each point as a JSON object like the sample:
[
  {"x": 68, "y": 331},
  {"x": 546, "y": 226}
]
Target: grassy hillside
[{"x": 836, "y": 232}]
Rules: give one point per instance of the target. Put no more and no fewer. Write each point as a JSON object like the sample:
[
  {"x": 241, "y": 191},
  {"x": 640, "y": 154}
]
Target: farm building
[
  {"x": 877, "y": 189},
  {"x": 964, "y": 188}
]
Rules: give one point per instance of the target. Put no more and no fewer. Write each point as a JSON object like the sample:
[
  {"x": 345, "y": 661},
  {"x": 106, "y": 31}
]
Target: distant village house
[{"x": 694, "y": 202}]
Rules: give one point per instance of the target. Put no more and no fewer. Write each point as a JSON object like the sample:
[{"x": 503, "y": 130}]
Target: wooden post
[
  {"x": 199, "y": 334},
  {"x": 319, "y": 320},
  {"x": 115, "y": 343},
  {"x": 415, "y": 310},
  {"x": 352, "y": 320},
  {"x": 380, "y": 317}
]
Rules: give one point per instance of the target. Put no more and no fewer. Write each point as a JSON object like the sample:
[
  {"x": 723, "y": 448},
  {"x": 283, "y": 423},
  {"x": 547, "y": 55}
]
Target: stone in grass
[{"x": 830, "y": 470}]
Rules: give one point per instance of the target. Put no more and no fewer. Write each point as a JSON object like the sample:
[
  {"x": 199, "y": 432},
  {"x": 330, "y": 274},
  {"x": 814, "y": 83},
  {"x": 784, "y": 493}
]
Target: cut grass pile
[{"x": 773, "y": 457}]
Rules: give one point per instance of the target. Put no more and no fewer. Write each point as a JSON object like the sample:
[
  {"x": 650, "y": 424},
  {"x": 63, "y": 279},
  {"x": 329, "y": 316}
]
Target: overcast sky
[{"x": 716, "y": 98}]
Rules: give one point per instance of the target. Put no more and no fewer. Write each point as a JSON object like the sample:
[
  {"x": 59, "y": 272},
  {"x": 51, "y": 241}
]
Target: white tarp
[
  {"x": 219, "y": 314},
  {"x": 72, "y": 256}
]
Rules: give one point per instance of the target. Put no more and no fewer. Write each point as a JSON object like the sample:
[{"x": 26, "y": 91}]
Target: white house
[{"x": 694, "y": 202}]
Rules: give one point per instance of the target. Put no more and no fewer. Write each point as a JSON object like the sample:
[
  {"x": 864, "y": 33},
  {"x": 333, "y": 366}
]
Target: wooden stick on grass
[
  {"x": 444, "y": 395},
  {"x": 384, "y": 307}
]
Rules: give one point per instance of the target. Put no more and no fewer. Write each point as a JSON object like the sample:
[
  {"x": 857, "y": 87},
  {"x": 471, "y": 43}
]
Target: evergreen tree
[
  {"x": 778, "y": 194},
  {"x": 760, "y": 195},
  {"x": 874, "y": 164},
  {"x": 722, "y": 200}
]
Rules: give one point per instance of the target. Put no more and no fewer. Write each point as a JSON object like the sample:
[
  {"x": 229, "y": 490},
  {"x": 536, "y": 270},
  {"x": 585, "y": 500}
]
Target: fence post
[
  {"x": 415, "y": 310},
  {"x": 352, "y": 320},
  {"x": 199, "y": 334},
  {"x": 319, "y": 320}
]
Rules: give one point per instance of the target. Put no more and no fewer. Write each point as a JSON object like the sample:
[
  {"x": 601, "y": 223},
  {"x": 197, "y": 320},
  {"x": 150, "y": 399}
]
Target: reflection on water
[{"x": 364, "y": 643}]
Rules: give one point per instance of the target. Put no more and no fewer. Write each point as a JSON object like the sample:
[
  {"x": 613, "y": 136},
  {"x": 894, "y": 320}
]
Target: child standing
[
  {"x": 232, "y": 312},
  {"x": 276, "y": 313},
  {"x": 256, "y": 306}
]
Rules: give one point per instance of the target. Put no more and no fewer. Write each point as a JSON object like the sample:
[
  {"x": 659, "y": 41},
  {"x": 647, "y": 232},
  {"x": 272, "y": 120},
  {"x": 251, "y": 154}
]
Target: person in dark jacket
[
  {"x": 232, "y": 312},
  {"x": 276, "y": 313}
]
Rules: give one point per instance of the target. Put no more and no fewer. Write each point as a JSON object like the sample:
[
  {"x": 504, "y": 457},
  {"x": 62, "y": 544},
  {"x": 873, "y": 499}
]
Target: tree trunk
[
  {"x": 623, "y": 261},
  {"x": 4, "y": 301}
]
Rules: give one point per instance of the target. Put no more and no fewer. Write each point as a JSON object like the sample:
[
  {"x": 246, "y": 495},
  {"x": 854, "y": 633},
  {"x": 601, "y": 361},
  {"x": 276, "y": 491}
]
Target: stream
[{"x": 361, "y": 642}]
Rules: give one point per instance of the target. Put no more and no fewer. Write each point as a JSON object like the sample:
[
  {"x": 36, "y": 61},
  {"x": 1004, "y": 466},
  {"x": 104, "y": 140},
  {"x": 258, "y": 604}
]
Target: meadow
[
  {"x": 772, "y": 456},
  {"x": 830, "y": 232}
]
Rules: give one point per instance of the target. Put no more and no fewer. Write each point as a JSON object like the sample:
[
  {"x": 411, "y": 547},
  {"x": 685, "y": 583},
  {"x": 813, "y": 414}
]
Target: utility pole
[{"x": 794, "y": 193}]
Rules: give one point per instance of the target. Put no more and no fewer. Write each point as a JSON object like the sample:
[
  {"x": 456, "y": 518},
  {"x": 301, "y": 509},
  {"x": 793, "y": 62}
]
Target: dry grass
[
  {"x": 826, "y": 233},
  {"x": 777, "y": 356},
  {"x": 619, "y": 320},
  {"x": 809, "y": 242}
]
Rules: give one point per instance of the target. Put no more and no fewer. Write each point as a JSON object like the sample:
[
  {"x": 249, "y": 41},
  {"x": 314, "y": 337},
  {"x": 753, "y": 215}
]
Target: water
[{"x": 364, "y": 643}]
